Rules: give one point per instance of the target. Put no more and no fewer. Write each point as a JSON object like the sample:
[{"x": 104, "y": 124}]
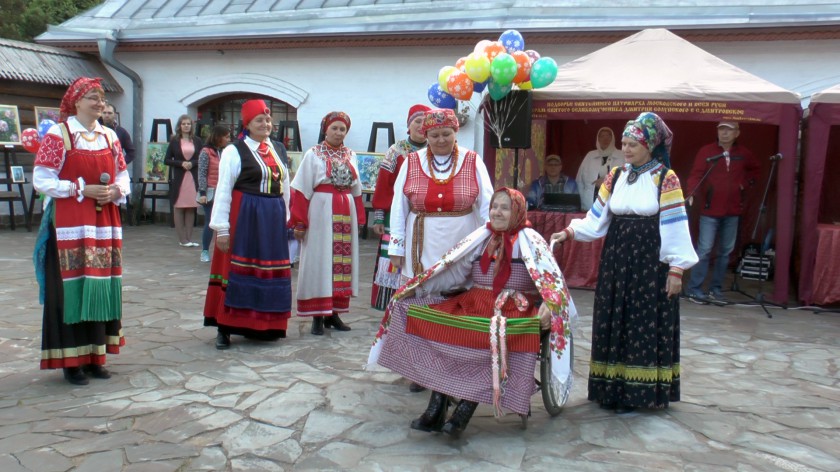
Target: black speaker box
[{"x": 517, "y": 133}]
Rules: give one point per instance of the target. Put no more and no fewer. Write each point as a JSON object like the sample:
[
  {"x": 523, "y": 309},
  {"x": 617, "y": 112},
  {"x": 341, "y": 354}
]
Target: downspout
[{"x": 107, "y": 46}]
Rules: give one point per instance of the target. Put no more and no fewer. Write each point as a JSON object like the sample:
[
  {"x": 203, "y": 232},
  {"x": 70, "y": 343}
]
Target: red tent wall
[
  {"x": 821, "y": 171},
  {"x": 568, "y": 138},
  {"x": 766, "y": 128}
]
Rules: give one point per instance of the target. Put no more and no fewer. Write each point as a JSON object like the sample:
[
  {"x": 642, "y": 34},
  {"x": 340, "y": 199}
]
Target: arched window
[{"x": 226, "y": 109}]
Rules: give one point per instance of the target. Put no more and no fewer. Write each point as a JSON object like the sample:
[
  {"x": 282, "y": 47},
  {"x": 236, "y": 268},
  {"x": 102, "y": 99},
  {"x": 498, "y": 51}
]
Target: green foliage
[{"x": 24, "y": 20}]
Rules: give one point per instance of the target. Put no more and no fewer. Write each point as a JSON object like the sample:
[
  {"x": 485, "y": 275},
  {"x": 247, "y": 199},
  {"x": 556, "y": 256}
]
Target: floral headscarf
[
  {"x": 75, "y": 92},
  {"x": 501, "y": 241},
  {"x": 649, "y": 130},
  {"x": 440, "y": 118}
]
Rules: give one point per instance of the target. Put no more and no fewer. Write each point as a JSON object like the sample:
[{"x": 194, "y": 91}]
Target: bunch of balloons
[
  {"x": 498, "y": 66},
  {"x": 31, "y": 137}
]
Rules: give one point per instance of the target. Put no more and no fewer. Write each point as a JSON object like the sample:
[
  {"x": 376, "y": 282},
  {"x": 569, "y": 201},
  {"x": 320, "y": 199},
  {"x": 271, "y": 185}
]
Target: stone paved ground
[{"x": 758, "y": 394}]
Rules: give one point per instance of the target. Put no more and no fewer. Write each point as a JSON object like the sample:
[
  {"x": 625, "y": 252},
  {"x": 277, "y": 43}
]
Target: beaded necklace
[
  {"x": 434, "y": 166},
  {"x": 635, "y": 171}
]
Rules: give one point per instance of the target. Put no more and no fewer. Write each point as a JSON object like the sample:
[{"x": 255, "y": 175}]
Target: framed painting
[
  {"x": 17, "y": 175},
  {"x": 368, "y": 163},
  {"x": 45, "y": 113},
  {"x": 9, "y": 125},
  {"x": 155, "y": 168},
  {"x": 294, "y": 161}
]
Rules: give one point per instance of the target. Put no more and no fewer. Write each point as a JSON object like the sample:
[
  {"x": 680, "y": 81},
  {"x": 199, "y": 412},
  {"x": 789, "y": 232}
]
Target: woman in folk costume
[
  {"x": 596, "y": 165},
  {"x": 481, "y": 345},
  {"x": 81, "y": 169},
  {"x": 250, "y": 290},
  {"x": 636, "y": 323},
  {"x": 442, "y": 193},
  {"x": 327, "y": 210},
  {"x": 386, "y": 277}
]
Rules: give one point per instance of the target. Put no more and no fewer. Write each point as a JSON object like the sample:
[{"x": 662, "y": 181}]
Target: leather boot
[
  {"x": 75, "y": 376},
  {"x": 335, "y": 322},
  {"x": 317, "y": 325},
  {"x": 432, "y": 419},
  {"x": 97, "y": 371},
  {"x": 222, "y": 341},
  {"x": 460, "y": 418}
]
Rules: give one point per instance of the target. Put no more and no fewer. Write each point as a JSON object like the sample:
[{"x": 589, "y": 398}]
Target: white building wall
[{"x": 380, "y": 84}]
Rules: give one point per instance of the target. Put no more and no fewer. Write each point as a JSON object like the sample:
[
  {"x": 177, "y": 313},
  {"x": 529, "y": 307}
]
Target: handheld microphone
[
  {"x": 776, "y": 157},
  {"x": 104, "y": 178},
  {"x": 714, "y": 158}
]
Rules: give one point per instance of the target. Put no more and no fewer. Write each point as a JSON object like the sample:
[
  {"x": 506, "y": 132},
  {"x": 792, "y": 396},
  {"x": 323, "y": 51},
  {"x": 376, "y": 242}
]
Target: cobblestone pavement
[{"x": 758, "y": 394}]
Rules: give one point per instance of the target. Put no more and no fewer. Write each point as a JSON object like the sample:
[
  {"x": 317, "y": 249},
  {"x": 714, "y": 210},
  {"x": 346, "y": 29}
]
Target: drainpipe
[{"x": 107, "y": 46}]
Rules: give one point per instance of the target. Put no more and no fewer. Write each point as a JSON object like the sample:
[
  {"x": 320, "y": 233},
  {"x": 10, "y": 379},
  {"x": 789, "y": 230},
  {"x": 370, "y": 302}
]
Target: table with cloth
[
  {"x": 826, "y": 271},
  {"x": 578, "y": 260}
]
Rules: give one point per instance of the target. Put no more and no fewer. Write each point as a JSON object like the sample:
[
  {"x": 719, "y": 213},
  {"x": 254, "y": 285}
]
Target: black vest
[{"x": 251, "y": 177}]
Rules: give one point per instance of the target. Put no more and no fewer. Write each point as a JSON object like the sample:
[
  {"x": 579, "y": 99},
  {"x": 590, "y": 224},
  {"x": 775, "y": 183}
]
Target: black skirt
[{"x": 635, "y": 327}]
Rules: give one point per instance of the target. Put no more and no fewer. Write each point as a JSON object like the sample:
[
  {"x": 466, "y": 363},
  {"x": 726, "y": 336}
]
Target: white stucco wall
[{"x": 380, "y": 84}]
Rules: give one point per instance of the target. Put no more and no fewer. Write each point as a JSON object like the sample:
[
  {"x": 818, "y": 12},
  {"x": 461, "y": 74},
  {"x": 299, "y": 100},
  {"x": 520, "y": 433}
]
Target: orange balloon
[
  {"x": 523, "y": 67},
  {"x": 494, "y": 49},
  {"x": 460, "y": 86},
  {"x": 459, "y": 64}
]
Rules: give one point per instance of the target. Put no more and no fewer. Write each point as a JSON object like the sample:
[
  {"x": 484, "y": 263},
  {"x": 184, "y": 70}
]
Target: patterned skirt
[
  {"x": 635, "y": 326},
  {"x": 77, "y": 344},
  {"x": 250, "y": 290},
  {"x": 386, "y": 278}
]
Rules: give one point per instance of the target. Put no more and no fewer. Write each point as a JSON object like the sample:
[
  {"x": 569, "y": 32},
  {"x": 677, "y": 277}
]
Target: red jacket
[{"x": 722, "y": 193}]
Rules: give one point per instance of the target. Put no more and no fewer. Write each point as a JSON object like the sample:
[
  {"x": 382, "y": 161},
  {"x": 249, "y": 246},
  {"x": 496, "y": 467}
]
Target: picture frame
[
  {"x": 155, "y": 169},
  {"x": 46, "y": 113},
  {"x": 368, "y": 164},
  {"x": 17, "y": 174},
  {"x": 9, "y": 125},
  {"x": 295, "y": 157}
]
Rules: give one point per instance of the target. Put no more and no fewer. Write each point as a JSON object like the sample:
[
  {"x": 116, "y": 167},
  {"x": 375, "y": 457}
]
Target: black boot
[
  {"x": 460, "y": 418},
  {"x": 432, "y": 419},
  {"x": 317, "y": 325},
  {"x": 335, "y": 322},
  {"x": 97, "y": 371},
  {"x": 75, "y": 376},
  {"x": 222, "y": 341}
]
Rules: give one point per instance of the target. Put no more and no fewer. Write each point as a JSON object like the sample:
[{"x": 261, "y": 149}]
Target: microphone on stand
[
  {"x": 776, "y": 157},
  {"x": 104, "y": 178},
  {"x": 714, "y": 158}
]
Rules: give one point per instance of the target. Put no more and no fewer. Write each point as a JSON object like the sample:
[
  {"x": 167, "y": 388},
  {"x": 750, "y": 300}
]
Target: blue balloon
[
  {"x": 512, "y": 41},
  {"x": 478, "y": 87},
  {"x": 440, "y": 98},
  {"x": 44, "y": 126}
]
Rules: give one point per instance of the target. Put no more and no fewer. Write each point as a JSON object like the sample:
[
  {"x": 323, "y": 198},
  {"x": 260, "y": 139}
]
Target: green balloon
[
  {"x": 503, "y": 69},
  {"x": 543, "y": 72},
  {"x": 497, "y": 91}
]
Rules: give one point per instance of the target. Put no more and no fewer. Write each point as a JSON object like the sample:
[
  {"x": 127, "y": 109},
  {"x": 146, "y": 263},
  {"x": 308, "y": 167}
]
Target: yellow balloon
[
  {"x": 477, "y": 67},
  {"x": 525, "y": 86},
  {"x": 443, "y": 75}
]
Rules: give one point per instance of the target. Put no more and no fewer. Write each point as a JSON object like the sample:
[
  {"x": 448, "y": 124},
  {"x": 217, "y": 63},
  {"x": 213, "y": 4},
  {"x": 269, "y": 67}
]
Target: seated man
[
  {"x": 552, "y": 183},
  {"x": 442, "y": 344}
]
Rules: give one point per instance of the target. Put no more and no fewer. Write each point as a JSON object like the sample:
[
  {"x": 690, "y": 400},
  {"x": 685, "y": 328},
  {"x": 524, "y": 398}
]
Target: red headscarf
[
  {"x": 440, "y": 118},
  {"x": 75, "y": 92},
  {"x": 251, "y": 109},
  {"x": 331, "y": 118},
  {"x": 501, "y": 241},
  {"x": 415, "y": 111}
]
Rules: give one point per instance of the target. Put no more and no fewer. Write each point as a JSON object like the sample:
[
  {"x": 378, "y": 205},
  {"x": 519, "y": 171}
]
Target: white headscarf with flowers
[{"x": 545, "y": 273}]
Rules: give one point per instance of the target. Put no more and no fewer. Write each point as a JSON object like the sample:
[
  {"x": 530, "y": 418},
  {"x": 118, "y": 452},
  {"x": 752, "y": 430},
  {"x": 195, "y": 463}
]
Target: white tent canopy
[
  {"x": 666, "y": 66},
  {"x": 829, "y": 95}
]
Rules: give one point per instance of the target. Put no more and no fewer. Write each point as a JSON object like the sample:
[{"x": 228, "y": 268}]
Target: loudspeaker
[{"x": 516, "y": 108}]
